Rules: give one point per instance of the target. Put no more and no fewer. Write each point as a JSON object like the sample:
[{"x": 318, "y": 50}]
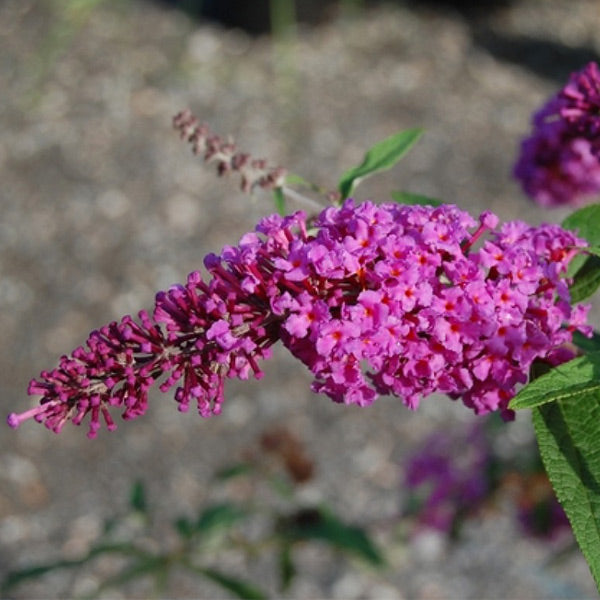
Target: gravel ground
[{"x": 102, "y": 205}]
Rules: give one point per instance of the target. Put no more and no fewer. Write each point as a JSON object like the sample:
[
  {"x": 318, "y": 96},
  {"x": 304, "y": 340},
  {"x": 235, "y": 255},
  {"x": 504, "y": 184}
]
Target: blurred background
[{"x": 102, "y": 205}]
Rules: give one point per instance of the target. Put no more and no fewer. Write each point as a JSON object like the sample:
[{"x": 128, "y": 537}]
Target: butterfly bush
[
  {"x": 374, "y": 299},
  {"x": 559, "y": 163}
]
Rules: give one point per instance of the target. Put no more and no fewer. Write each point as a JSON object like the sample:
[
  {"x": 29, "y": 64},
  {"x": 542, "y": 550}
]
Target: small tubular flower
[{"x": 375, "y": 300}]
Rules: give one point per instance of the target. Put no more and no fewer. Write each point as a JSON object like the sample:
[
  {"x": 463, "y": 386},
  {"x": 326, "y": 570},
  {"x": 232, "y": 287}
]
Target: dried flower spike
[{"x": 254, "y": 172}]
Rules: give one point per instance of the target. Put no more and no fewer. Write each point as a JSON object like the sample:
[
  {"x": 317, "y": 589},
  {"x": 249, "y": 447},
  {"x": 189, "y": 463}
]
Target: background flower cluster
[{"x": 559, "y": 162}]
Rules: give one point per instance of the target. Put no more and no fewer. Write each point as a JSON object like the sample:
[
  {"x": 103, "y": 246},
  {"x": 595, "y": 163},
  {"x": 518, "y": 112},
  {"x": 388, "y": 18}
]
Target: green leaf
[
  {"x": 587, "y": 344},
  {"x": 148, "y": 566},
  {"x": 382, "y": 156},
  {"x": 279, "y": 198},
  {"x": 214, "y": 519},
  {"x": 219, "y": 517},
  {"x": 586, "y": 280},
  {"x": 586, "y": 222},
  {"x": 320, "y": 524},
  {"x": 409, "y": 198},
  {"x": 137, "y": 498},
  {"x": 16, "y": 577},
  {"x": 242, "y": 589},
  {"x": 592, "y": 250},
  {"x": 570, "y": 381},
  {"x": 293, "y": 179},
  {"x": 237, "y": 470},
  {"x": 185, "y": 527},
  {"x": 568, "y": 435},
  {"x": 287, "y": 569}
]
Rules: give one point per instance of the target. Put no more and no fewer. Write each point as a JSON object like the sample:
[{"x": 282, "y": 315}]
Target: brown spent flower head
[
  {"x": 286, "y": 446},
  {"x": 254, "y": 172}
]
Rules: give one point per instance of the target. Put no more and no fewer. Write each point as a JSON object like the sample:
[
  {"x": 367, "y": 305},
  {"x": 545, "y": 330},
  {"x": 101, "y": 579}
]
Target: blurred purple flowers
[
  {"x": 538, "y": 511},
  {"x": 450, "y": 477},
  {"x": 560, "y": 162},
  {"x": 373, "y": 299},
  {"x": 456, "y": 473}
]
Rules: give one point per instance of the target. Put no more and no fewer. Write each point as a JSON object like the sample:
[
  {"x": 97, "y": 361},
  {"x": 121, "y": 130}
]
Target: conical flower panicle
[{"x": 373, "y": 299}]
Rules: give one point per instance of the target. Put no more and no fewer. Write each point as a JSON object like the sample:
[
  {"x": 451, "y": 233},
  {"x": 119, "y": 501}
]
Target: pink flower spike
[{"x": 377, "y": 300}]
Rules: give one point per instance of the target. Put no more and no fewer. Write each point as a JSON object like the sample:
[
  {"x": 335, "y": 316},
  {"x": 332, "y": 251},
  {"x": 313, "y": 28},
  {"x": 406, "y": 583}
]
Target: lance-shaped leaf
[
  {"x": 287, "y": 569},
  {"x": 219, "y": 517},
  {"x": 570, "y": 381},
  {"x": 568, "y": 434},
  {"x": 216, "y": 518},
  {"x": 321, "y": 524},
  {"x": 126, "y": 549},
  {"x": 586, "y": 280},
  {"x": 585, "y": 343},
  {"x": 586, "y": 222},
  {"x": 380, "y": 157},
  {"x": 240, "y": 588},
  {"x": 235, "y": 470},
  {"x": 137, "y": 498},
  {"x": 279, "y": 199},
  {"x": 409, "y": 198}
]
